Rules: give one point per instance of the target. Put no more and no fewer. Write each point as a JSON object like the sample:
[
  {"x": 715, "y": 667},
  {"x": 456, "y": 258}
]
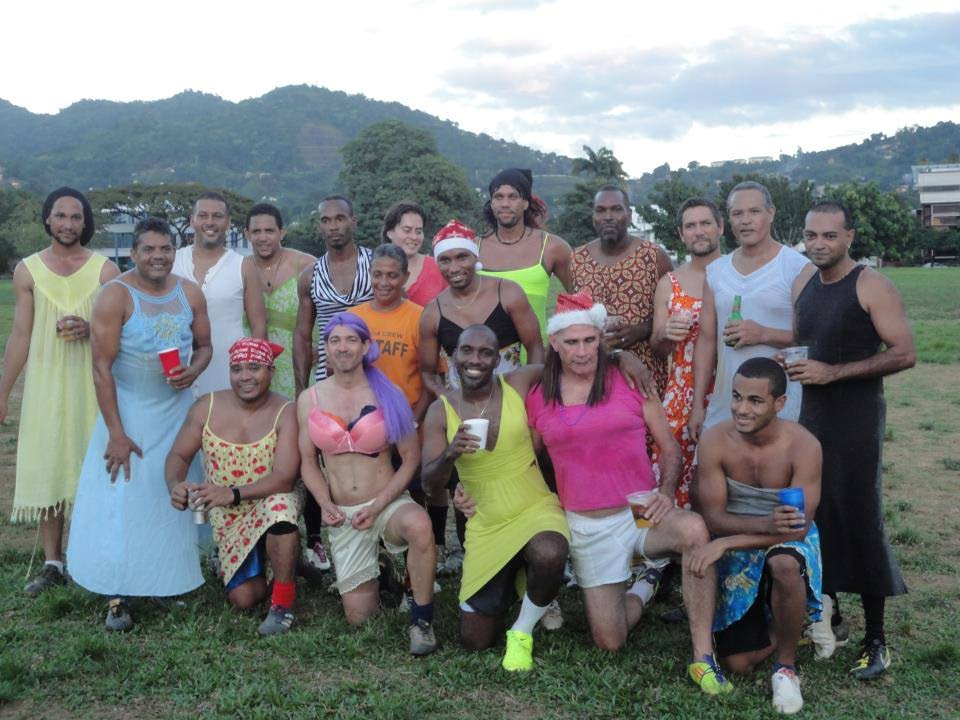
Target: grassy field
[{"x": 203, "y": 660}]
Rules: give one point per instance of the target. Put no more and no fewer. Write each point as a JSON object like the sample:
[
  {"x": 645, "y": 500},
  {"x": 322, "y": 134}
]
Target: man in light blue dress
[{"x": 125, "y": 538}]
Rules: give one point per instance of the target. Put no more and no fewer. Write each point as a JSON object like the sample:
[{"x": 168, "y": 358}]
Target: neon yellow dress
[
  {"x": 59, "y": 406},
  {"x": 513, "y": 502}
]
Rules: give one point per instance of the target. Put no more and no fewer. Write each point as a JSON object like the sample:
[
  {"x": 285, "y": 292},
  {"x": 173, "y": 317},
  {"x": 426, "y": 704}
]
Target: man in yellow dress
[
  {"x": 518, "y": 526},
  {"x": 53, "y": 291}
]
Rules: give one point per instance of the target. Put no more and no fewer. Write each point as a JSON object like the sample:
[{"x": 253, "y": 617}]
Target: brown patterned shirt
[{"x": 626, "y": 289}]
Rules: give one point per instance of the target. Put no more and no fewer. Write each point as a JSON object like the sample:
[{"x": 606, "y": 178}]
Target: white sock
[
  {"x": 641, "y": 589},
  {"x": 56, "y": 563},
  {"x": 529, "y": 616}
]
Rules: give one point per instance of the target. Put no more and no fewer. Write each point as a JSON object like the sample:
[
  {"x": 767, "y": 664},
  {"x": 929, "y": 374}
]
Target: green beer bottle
[{"x": 734, "y": 316}]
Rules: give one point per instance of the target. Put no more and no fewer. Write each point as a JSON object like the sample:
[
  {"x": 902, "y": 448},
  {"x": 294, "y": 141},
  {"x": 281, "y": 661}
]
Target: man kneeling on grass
[
  {"x": 767, "y": 553},
  {"x": 350, "y": 423},
  {"x": 249, "y": 440}
]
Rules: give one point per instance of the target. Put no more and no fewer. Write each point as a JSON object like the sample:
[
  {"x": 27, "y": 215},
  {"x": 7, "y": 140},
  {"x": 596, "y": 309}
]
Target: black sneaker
[
  {"x": 49, "y": 577},
  {"x": 119, "y": 618},
  {"x": 873, "y": 662}
]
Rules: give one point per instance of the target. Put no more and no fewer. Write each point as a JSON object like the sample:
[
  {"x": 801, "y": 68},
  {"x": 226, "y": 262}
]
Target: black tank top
[{"x": 499, "y": 320}]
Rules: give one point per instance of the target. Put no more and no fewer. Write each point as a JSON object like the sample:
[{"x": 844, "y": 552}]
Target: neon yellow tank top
[{"x": 535, "y": 281}]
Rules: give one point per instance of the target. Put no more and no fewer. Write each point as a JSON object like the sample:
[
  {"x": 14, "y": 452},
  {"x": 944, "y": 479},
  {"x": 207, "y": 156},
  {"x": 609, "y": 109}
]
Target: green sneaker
[
  {"x": 708, "y": 676},
  {"x": 519, "y": 654},
  {"x": 873, "y": 662}
]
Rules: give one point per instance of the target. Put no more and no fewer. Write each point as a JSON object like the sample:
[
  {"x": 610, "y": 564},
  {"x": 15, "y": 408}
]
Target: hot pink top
[
  {"x": 428, "y": 285},
  {"x": 599, "y": 453}
]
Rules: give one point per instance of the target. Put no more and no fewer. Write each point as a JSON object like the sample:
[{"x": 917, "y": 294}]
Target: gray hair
[{"x": 752, "y": 185}]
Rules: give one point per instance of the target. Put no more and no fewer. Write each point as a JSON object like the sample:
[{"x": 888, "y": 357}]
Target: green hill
[
  {"x": 885, "y": 160},
  {"x": 285, "y": 144}
]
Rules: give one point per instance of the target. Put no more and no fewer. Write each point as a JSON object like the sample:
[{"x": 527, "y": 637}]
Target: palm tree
[{"x": 599, "y": 164}]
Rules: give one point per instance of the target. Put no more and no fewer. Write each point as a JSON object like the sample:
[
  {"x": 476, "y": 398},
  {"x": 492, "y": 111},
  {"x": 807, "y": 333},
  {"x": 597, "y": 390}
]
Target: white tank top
[
  {"x": 766, "y": 298},
  {"x": 223, "y": 289}
]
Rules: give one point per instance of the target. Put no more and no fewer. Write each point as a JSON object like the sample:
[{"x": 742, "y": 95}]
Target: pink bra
[{"x": 367, "y": 434}]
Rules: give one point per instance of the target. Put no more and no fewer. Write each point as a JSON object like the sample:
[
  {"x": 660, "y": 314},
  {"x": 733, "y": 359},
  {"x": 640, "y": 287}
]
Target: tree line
[{"x": 391, "y": 161}]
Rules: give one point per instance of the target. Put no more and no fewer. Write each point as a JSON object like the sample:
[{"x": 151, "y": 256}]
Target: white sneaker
[
  {"x": 315, "y": 556},
  {"x": 786, "y": 691},
  {"x": 821, "y": 633},
  {"x": 553, "y": 618}
]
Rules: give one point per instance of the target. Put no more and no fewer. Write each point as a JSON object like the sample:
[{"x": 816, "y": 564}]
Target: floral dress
[
  {"x": 678, "y": 396},
  {"x": 237, "y": 530}
]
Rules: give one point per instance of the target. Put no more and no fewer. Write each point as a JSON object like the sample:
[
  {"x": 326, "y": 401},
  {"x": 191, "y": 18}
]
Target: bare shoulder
[
  {"x": 306, "y": 276},
  {"x": 436, "y": 416},
  {"x": 301, "y": 260},
  {"x": 523, "y": 378},
  {"x": 22, "y": 277},
  {"x": 557, "y": 244},
  {"x": 871, "y": 281},
  {"x": 510, "y": 291},
  {"x": 108, "y": 271},
  {"x": 191, "y": 290},
  {"x": 802, "y": 442}
]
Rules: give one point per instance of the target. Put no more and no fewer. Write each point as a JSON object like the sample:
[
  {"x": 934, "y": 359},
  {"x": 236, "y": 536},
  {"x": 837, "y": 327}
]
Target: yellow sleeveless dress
[
  {"x": 513, "y": 502},
  {"x": 59, "y": 406}
]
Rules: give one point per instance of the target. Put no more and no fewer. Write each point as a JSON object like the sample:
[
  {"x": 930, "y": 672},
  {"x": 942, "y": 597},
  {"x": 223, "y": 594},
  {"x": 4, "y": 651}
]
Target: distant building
[
  {"x": 760, "y": 159},
  {"x": 939, "y": 187}
]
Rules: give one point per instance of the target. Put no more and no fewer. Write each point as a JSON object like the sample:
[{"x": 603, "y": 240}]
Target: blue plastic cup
[{"x": 792, "y": 496}]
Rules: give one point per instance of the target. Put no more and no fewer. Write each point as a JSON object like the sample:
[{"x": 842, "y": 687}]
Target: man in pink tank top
[
  {"x": 613, "y": 506},
  {"x": 248, "y": 436}
]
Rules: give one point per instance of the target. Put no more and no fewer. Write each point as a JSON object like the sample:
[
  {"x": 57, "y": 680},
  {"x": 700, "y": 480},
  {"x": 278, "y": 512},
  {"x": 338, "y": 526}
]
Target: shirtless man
[
  {"x": 254, "y": 513},
  {"x": 767, "y": 553},
  {"x": 353, "y": 418}
]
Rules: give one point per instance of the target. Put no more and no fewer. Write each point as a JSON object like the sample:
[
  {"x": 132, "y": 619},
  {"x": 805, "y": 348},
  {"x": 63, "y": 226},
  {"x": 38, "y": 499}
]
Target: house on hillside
[{"x": 939, "y": 187}]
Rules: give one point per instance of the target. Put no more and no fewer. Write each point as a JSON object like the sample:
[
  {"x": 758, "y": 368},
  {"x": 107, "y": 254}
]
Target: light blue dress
[{"x": 125, "y": 538}]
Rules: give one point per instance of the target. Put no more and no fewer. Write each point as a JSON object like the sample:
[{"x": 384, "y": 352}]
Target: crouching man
[
  {"x": 767, "y": 553},
  {"x": 249, "y": 440}
]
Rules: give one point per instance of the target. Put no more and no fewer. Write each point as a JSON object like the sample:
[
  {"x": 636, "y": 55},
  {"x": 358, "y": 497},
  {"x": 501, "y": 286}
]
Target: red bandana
[{"x": 255, "y": 351}]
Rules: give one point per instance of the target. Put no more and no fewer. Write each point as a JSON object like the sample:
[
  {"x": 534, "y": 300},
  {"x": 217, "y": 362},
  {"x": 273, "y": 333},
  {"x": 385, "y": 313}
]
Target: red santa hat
[
  {"x": 578, "y": 309},
  {"x": 455, "y": 236}
]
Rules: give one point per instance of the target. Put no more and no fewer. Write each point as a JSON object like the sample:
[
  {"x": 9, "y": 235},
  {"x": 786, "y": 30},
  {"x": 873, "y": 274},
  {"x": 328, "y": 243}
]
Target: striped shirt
[{"x": 328, "y": 301}]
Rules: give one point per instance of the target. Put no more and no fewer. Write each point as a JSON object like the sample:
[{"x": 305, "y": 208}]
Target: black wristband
[{"x": 236, "y": 496}]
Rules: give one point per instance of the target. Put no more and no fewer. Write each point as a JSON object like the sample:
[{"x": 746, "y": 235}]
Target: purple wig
[{"x": 391, "y": 401}]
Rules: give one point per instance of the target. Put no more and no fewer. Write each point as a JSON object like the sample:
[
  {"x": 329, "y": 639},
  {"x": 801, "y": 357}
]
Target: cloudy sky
[{"x": 671, "y": 83}]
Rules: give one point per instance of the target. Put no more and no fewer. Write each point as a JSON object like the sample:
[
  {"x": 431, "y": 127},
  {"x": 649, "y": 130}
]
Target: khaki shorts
[
  {"x": 602, "y": 549},
  {"x": 355, "y": 551}
]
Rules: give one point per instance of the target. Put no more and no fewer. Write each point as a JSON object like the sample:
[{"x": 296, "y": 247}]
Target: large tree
[
  {"x": 601, "y": 163},
  {"x": 20, "y": 230},
  {"x": 391, "y": 161},
  {"x": 662, "y": 205},
  {"x": 172, "y": 202}
]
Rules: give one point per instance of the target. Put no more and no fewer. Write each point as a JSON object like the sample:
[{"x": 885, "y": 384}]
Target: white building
[{"x": 939, "y": 187}]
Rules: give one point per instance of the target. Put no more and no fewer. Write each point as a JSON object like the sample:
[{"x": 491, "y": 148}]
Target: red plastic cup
[{"x": 169, "y": 358}]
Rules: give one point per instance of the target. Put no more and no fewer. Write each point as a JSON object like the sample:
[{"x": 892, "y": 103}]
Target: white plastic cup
[
  {"x": 793, "y": 354},
  {"x": 479, "y": 427}
]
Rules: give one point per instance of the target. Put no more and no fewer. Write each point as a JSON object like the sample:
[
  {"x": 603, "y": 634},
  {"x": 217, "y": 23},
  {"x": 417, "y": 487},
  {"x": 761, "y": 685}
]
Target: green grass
[
  {"x": 932, "y": 299},
  {"x": 205, "y": 661}
]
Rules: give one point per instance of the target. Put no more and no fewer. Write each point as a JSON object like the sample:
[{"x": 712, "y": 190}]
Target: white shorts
[
  {"x": 602, "y": 549},
  {"x": 355, "y": 552}
]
